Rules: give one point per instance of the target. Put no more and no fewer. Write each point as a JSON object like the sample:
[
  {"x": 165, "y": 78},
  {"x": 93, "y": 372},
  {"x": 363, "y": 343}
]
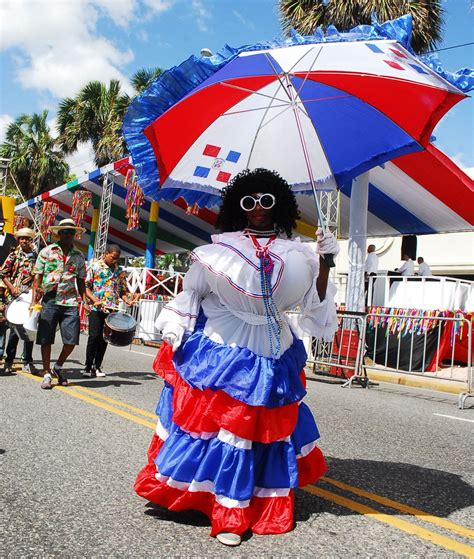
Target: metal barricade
[
  {"x": 424, "y": 346},
  {"x": 345, "y": 353}
]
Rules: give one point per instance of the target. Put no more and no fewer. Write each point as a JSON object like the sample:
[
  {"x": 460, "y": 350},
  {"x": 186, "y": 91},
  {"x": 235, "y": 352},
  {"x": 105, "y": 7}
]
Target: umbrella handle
[{"x": 329, "y": 259}]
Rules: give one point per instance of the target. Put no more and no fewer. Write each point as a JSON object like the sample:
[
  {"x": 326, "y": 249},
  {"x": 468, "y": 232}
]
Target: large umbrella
[{"x": 319, "y": 110}]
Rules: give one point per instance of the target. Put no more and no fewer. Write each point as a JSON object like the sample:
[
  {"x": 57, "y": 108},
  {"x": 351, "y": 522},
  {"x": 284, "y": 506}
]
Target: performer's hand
[
  {"x": 16, "y": 292},
  {"x": 172, "y": 339},
  {"x": 326, "y": 243}
]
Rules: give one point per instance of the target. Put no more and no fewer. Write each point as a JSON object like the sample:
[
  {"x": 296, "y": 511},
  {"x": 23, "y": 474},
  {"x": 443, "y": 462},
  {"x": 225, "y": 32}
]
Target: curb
[{"x": 415, "y": 381}]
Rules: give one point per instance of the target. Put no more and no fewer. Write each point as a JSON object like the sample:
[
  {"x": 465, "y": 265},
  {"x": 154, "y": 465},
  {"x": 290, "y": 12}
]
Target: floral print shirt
[
  {"x": 18, "y": 268},
  {"x": 105, "y": 283},
  {"x": 60, "y": 273},
  {"x": 3, "y": 306}
]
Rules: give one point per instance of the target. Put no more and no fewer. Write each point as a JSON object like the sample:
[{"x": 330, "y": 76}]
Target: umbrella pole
[{"x": 328, "y": 258}]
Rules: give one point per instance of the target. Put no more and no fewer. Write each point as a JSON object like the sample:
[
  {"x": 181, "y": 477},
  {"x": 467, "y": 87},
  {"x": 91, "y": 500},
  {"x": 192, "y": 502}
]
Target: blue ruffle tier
[
  {"x": 243, "y": 375},
  {"x": 233, "y": 472}
]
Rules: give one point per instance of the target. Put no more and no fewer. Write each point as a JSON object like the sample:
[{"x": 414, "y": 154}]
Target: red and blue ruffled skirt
[{"x": 233, "y": 438}]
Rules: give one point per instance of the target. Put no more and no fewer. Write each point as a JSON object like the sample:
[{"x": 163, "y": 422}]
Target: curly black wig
[{"x": 285, "y": 212}]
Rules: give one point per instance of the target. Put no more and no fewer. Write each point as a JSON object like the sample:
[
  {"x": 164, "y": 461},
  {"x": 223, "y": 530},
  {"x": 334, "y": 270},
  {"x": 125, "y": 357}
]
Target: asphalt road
[{"x": 399, "y": 482}]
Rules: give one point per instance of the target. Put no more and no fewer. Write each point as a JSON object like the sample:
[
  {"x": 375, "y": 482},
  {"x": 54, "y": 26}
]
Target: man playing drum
[
  {"x": 60, "y": 272},
  {"x": 105, "y": 286},
  {"x": 17, "y": 273}
]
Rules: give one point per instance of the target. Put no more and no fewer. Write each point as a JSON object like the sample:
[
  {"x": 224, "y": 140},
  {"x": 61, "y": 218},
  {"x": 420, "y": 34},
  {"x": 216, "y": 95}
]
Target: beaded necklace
[
  {"x": 249, "y": 231},
  {"x": 271, "y": 311}
]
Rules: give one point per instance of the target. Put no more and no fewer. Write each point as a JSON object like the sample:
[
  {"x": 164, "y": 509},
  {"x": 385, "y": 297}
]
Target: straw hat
[
  {"x": 66, "y": 224},
  {"x": 25, "y": 232}
]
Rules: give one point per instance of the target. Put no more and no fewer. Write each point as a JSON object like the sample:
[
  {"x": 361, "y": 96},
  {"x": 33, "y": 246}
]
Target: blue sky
[{"x": 50, "y": 48}]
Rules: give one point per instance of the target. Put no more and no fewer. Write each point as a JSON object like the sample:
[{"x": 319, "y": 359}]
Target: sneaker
[
  {"x": 30, "y": 368},
  {"x": 8, "y": 367},
  {"x": 99, "y": 372},
  {"x": 88, "y": 373},
  {"x": 46, "y": 384},
  {"x": 57, "y": 371},
  {"x": 228, "y": 538}
]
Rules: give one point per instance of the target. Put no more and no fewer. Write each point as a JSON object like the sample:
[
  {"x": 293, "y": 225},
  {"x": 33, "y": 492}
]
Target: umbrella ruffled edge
[{"x": 177, "y": 82}]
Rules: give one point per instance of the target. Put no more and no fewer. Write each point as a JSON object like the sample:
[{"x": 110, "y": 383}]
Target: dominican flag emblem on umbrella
[{"x": 218, "y": 168}]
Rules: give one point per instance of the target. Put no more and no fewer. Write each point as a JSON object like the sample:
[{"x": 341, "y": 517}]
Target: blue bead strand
[{"x": 271, "y": 311}]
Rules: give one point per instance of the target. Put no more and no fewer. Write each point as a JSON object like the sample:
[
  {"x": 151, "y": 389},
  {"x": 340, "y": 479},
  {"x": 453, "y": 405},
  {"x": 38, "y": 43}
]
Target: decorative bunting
[
  {"x": 49, "y": 211},
  {"x": 409, "y": 321},
  {"x": 133, "y": 200},
  {"x": 20, "y": 221},
  {"x": 81, "y": 200}
]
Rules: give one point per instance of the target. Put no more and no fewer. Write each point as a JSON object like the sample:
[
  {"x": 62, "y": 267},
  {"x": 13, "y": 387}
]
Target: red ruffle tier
[{"x": 208, "y": 410}]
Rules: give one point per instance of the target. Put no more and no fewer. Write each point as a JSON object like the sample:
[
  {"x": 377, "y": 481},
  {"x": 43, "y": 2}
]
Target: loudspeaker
[{"x": 409, "y": 246}]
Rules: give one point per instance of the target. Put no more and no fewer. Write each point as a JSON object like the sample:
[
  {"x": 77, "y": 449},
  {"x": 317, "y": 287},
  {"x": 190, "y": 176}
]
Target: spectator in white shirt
[
  {"x": 371, "y": 262},
  {"x": 407, "y": 268},
  {"x": 423, "y": 268}
]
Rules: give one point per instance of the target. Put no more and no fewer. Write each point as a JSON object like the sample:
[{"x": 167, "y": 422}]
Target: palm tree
[
  {"x": 306, "y": 15},
  {"x": 36, "y": 162},
  {"x": 95, "y": 114},
  {"x": 143, "y": 78}
]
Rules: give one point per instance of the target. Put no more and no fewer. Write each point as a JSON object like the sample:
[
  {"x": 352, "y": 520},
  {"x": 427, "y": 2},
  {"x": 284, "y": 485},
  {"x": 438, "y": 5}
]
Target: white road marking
[
  {"x": 454, "y": 417},
  {"x": 139, "y": 352}
]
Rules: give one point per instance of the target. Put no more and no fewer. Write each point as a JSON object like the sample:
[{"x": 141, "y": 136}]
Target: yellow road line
[
  {"x": 96, "y": 394},
  {"x": 447, "y": 524},
  {"x": 403, "y": 525},
  {"x": 71, "y": 391}
]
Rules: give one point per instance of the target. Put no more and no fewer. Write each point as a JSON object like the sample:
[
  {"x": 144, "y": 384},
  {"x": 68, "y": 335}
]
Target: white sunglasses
[{"x": 249, "y": 203}]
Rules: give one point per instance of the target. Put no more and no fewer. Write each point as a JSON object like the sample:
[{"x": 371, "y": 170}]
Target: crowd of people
[
  {"x": 59, "y": 281},
  {"x": 407, "y": 268}
]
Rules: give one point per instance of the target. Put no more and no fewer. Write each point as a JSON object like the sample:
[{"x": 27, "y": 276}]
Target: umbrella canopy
[
  {"x": 423, "y": 192},
  {"x": 319, "y": 110}
]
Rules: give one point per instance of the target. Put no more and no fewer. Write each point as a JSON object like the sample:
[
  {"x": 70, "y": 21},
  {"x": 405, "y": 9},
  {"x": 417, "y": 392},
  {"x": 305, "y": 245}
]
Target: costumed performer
[{"x": 233, "y": 438}]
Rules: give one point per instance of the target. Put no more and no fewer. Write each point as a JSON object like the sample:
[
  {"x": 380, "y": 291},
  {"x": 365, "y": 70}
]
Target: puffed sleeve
[
  {"x": 179, "y": 316},
  {"x": 318, "y": 318}
]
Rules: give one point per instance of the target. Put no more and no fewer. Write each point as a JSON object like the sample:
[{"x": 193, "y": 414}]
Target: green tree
[
  {"x": 95, "y": 114},
  {"x": 306, "y": 15},
  {"x": 36, "y": 162},
  {"x": 143, "y": 78}
]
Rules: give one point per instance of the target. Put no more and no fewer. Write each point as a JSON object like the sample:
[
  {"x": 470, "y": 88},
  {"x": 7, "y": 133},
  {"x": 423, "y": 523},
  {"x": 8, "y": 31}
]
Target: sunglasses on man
[{"x": 67, "y": 232}]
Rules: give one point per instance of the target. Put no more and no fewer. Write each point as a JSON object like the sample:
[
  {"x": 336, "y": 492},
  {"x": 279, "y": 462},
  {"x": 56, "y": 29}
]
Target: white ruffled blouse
[{"x": 225, "y": 281}]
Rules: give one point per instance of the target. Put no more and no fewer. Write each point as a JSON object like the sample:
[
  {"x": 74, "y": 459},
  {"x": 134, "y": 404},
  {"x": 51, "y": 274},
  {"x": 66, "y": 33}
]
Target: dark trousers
[
  {"x": 3, "y": 334},
  {"x": 96, "y": 345},
  {"x": 12, "y": 345}
]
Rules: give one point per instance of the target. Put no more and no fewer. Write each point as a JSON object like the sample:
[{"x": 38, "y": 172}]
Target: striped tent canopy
[{"x": 177, "y": 231}]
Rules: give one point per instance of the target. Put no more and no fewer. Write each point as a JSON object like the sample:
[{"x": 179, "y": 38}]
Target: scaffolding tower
[
  {"x": 104, "y": 215},
  {"x": 4, "y": 164}
]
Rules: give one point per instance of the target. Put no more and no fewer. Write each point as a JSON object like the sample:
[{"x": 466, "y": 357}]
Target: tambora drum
[
  {"x": 119, "y": 329},
  {"x": 17, "y": 313}
]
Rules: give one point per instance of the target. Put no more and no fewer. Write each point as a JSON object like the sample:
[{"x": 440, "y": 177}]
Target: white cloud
[
  {"x": 5, "y": 120},
  {"x": 158, "y": 5},
  {"x": 202, "y": 14},
  {"x": 57, "y": 44},
  {"x": 82, "y": 161},
  {"x": 245, "y": 22}
]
